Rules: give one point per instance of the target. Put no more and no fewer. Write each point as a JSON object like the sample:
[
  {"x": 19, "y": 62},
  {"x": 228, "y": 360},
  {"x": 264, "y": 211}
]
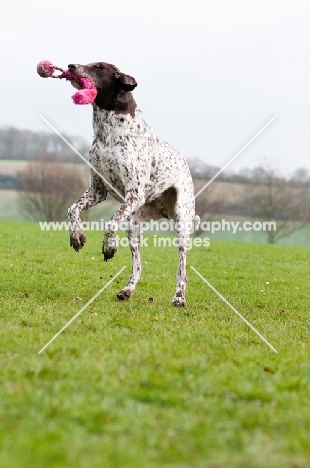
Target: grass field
[
  {"x": 9, "y": 211},
  {"x": 140, "y": 384}
]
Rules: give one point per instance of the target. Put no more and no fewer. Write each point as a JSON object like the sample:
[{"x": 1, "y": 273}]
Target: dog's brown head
[{"x": 113, "y": 87}]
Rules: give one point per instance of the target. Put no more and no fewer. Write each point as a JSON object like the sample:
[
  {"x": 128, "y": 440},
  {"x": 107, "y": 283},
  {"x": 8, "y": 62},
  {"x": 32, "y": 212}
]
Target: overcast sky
[{"x": 210, "y": 73}]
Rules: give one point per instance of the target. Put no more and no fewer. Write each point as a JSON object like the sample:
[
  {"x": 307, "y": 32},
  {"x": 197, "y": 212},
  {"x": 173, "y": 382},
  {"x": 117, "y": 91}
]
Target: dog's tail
[{"x": 196, "y": 222}]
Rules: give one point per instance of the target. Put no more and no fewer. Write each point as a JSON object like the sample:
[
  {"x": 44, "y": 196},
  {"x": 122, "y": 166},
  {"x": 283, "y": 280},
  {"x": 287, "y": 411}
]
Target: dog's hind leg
[
  {"x": 133, "y": 234},
  {"x": 184, "y": 215},
  {"x": 135, "y": 225}
]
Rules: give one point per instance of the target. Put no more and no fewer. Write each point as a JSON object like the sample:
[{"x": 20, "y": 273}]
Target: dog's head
[{"x": 104, "y": 84}]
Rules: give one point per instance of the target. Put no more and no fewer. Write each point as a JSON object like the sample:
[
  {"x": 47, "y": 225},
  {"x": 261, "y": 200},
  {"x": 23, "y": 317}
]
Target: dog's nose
[{"x": 72, "y": 66}]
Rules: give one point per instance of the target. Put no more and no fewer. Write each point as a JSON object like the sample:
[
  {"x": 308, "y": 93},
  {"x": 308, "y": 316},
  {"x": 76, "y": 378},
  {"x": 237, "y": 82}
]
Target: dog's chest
[{"x": 120, "y": 147}]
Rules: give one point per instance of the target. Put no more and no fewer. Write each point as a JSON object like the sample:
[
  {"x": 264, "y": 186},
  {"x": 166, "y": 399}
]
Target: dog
[{"x": 147, "y": 176}]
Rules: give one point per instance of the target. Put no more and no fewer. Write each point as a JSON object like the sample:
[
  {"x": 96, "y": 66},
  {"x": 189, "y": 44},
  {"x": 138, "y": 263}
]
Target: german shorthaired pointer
[{"x": 149, "y": 177}]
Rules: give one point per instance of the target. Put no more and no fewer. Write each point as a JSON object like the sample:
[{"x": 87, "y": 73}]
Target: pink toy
[
  {"x": 86, "y": 95},
  {"x": 46, "y": 69}
]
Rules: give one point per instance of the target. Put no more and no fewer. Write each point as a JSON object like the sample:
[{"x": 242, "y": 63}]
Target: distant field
[
  {"x": 9, "y": 211},
  {"x": 235, "y": 191},
  {"x": 298, "y": 238},
  {"x": 11, "y": 167},
  {"x": 8, "y": 205},
  {"x": 9, "y": 208}
]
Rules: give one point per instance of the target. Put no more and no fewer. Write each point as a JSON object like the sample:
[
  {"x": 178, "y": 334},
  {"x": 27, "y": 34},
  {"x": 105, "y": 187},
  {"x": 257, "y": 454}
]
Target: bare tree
[
  {"x": 302, "y": 175},
  {"x": 275, "y": 198},
  {"x": 211, "y": 201},
  {"x": 47, "y": 187}
]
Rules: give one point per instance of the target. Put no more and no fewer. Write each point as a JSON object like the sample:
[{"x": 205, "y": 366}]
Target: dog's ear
[{"x": 128, "y": 83}]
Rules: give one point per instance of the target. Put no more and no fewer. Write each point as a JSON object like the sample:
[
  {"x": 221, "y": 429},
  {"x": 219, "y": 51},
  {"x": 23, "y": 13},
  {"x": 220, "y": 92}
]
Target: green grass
[{"x": 142, "y": 384}]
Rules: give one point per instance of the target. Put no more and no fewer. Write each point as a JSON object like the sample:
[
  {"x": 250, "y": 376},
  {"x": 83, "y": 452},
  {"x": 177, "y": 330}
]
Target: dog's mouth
[
  {"x": 87, "y": 90},
  {"x": 76, "y": 84},
  {"x": 75, "y": 79}
]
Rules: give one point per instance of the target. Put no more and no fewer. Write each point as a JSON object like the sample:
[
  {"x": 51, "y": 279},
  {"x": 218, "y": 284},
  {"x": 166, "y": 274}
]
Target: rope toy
[{"x": 86, "y": 95}]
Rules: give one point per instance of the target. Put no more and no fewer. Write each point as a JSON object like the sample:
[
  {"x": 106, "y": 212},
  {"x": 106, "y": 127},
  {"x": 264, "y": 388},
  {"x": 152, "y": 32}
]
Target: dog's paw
[
  {"x": 107, "y": 255},
  {"x": 179, "y": 301},
  {"x": 124, "y": 294},
  {"x": 77, "y": 241},
  {"x": 109, "y": 248},
  {"x": 108, "y": 252}
]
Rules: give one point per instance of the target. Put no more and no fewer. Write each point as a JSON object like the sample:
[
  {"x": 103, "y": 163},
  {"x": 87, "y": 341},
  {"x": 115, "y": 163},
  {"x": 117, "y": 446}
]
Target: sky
[{"x": 210, "y": 74}]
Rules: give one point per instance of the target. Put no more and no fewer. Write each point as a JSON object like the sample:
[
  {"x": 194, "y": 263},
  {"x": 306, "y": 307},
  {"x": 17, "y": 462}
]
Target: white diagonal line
[
  {"x": 235, "y": 310},
  {"x": 236, "y": 155},
  {"x": 83, "y": 308},
  {"x": 81, "y": 156}
]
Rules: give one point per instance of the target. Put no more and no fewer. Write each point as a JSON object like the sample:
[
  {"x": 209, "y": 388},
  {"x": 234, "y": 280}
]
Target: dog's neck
[
  {"x": 105, "y": 121},
  {"x": 121, "y": 102}
]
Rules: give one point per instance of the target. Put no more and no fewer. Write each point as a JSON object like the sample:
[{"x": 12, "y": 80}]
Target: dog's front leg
[
  {"x": 89, "y": 198},
  {"x": 133, "y": 201}
]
